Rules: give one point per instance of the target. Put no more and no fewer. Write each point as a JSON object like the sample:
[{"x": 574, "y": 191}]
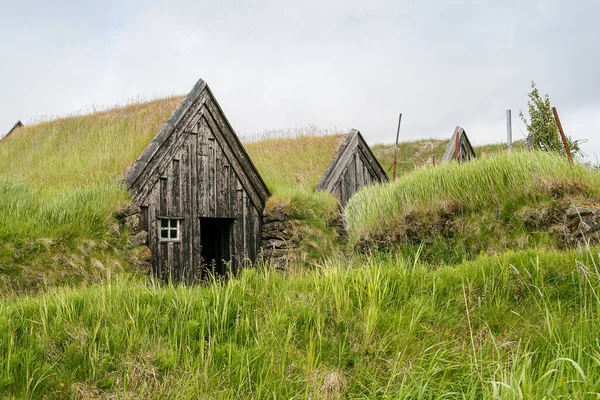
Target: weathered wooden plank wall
[
  {"x": 353, "y": 167},
  {"x": 195, "y": 169},
  {"x": 459, "y": 148}
]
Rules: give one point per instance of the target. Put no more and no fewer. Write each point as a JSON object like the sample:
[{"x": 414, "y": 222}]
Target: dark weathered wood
[
  {"x": 235, "y": 146},
  {"x": 196, "y": 168},
  {"x": 353, "y": 167},
  {"x": 16, "y": 126},
  {"x": 459, "y": 148},
  {"x": 240, "y": 167}
]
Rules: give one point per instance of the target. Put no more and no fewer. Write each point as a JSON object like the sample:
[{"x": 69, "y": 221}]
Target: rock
[
  {"x": 276, "y": 234},
  {"x": 129, "y": 210},
  {"x": 133, "y": 221},
  {"x": 276, "y": 244},
  {"x": 274, "y": 217},
  {"x": 138, "y": 239},
  {"x": 141, "y": 253},
  {"x": 275, "y": 225},
  {"x": 578, "y": 211}
]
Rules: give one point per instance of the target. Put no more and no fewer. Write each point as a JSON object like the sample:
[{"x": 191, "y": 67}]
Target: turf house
[
  {"x": 14, "y": 128},
  {"x": 200, "y": 197},
  {"x": 459, "y": 148},
  {"x": 353, "y": 167}
]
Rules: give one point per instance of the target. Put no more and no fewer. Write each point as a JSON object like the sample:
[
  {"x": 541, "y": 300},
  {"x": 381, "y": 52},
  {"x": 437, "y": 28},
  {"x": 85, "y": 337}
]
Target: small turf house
[
  {"x": 353, "y": 167},
  {"x": 459, "y": 148},
  {"x": 200, "y": 196},
  {"x": 16, "y": 126}
]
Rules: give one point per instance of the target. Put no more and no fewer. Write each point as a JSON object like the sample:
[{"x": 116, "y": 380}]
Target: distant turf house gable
[
  {"x": 459, "y": 148},
  {"x": 201, "y": 199},
  {"x": 353, "y": 167},
  {"x": 18, "y": 125}
]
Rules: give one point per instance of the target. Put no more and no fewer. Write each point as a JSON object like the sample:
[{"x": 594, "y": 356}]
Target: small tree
[{"x": 542, "y": 128}]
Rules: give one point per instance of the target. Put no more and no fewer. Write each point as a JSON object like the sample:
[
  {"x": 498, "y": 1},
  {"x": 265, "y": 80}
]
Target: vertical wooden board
[
  {"x": 246, "y": 251},
  {"x": 257, "y": 232},
  {"x": 337, "y": 191},
  {"x": 351, "y": 176},
  {"x": 144, "y": 220},
  {"x": 176, "y": 187},
  {"x": 233, "y": 183},
  {"x": 195, "y": 189},
  {"x": 186, "y": 211},
  {"x": 175, "y": 253},
  {"x": 249, "y": 231},
  {"x": 238, "y": 225},
  {"x": 343, "y": 189},
  {"x": 223, "y": 188},
  {"x": 202, "y": 176},
  {"x": 163, "y": 252},
  {"x": 367, "y": 175},
  {"x": 360, "y": 176},
  {"x": 163, "y": 198},
  {"x": 153, "y": 234},
  {"x": 153, "y": 238},
  {"x": 211, "y": 179},
  {"x": 219, "y": 182}
]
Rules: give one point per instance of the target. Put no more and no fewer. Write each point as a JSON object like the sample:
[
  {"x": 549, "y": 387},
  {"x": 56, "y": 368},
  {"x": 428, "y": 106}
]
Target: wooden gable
[
  {"x": 353, "y": 167},
  {"x": 459, "y": 148},
  {"x": 199, "y": 114},
  {"x": 14, "y": 128},
  {"x": 200, "y": 197}
]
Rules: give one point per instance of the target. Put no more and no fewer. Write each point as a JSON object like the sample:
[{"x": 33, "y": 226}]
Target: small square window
[{"x": 169, "y": 229}]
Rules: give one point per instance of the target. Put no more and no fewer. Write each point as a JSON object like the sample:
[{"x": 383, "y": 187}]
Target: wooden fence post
[
  {"x": 509, "y": 130},
  {"x": 562, "y": 135},
  {"x": 396, "y": 148}
]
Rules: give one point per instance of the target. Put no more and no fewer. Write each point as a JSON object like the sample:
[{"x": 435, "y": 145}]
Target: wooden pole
[
  {"x": 396, "y": 148},
  {"x": 562, "y": 134},
  {"x": 433, "y": 159},
  {"x": 509, "y": 130}
]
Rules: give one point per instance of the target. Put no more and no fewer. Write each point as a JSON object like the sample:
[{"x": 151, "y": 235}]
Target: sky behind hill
[{"x": 275, "y": 64}]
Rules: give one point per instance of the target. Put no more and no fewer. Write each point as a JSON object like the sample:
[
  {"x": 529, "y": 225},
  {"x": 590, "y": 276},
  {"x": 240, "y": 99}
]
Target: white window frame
[{"x": 169, "y": 228}]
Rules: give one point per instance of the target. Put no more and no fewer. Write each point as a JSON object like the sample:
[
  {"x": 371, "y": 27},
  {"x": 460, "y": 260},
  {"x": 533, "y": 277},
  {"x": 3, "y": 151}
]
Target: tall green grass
[
  {"x": 61, "y": 178},
  {"x": 519, "y": 325},
  {"x": 484, "y": 184},
  {"x": 59, "y": 189}
]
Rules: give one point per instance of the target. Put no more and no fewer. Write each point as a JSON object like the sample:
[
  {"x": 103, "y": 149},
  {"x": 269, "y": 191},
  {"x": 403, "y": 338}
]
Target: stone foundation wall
[
  {"x": 131, "y": 221},
  {"x": 277, "y": 240}
]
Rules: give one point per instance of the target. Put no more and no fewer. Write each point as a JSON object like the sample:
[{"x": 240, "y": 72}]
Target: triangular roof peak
[
  {"x": 459, "y": 148},
  {"x": 199, "y": 108},
  {"x": 353, "y": 167},
  {"x": 14, "y": 128}
]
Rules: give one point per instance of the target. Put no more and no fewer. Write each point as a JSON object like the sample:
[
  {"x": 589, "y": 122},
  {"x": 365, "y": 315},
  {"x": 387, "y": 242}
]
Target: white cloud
[{"x": 285, "y": 64}]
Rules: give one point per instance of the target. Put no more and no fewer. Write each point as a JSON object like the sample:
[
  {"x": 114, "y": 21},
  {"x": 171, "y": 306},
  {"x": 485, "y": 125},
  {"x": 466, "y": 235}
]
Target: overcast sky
[{"x": 276, "y": 64}]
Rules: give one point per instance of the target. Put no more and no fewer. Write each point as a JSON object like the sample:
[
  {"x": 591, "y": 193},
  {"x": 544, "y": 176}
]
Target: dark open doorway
[{"x": 215, "y": 239}]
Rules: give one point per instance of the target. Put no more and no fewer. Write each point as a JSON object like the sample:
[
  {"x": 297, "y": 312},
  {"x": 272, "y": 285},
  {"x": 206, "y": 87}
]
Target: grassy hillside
[
  {"x": 293, "y": 162},
  {"x": 60, "y": 188},
  {"x": 61, "y": 177},
  {"x": 459, "y": 210},
  {"x": 520, "y": 325},
  {"x": 435, "y": 317},
  {"x": 416, "y": 154}
]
